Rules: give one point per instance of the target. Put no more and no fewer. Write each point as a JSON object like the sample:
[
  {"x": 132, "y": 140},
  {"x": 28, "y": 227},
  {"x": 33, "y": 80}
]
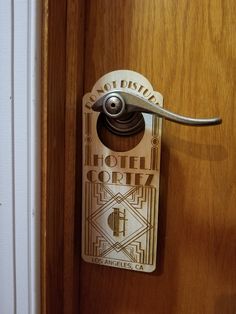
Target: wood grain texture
[
  {"x": 187, "y": 51},
  {"x": 62, "y": 83},
  {"x": 74, "y": 93},
  {"x": 53, "y": 147}
]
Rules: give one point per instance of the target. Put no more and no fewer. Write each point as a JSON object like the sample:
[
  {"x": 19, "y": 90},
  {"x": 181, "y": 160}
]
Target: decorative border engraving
[
  {"x": 130, "y": 208},
  {"x": 121, "y": 189}
]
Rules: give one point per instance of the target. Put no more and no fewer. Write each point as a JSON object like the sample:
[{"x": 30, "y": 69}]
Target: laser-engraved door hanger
[{"x": 121, "y": 189}]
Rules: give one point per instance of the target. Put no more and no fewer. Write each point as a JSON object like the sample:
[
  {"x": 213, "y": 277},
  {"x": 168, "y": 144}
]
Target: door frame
[{"x": 61, "y": 90}]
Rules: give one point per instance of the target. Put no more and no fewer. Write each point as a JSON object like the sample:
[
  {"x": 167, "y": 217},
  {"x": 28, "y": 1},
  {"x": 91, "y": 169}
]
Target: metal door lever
[{"x": 118, "y": 104}]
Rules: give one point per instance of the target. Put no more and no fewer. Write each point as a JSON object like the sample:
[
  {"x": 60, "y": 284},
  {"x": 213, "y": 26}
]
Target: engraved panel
[{"x": 120, "y": 189}]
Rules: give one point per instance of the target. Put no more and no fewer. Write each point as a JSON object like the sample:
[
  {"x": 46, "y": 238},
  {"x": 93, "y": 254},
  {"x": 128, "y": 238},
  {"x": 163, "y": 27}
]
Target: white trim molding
[{"x": 19, "y": 156}]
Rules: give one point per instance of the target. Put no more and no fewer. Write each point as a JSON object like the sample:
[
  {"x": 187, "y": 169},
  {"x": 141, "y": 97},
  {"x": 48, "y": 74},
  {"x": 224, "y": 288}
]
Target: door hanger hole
[{"x": 117, "y": 142}]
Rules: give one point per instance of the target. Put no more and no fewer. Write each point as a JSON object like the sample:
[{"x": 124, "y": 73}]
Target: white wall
[{"x": 19, "y": 156}]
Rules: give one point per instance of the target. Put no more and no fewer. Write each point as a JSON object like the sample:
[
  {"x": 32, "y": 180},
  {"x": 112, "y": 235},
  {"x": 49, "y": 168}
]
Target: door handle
[{"x": 119, "y": 104}]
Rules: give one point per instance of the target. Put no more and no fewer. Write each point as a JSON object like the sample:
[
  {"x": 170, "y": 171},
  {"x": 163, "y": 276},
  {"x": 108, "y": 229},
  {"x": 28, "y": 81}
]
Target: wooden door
[{"x": 187, "y": 51}]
